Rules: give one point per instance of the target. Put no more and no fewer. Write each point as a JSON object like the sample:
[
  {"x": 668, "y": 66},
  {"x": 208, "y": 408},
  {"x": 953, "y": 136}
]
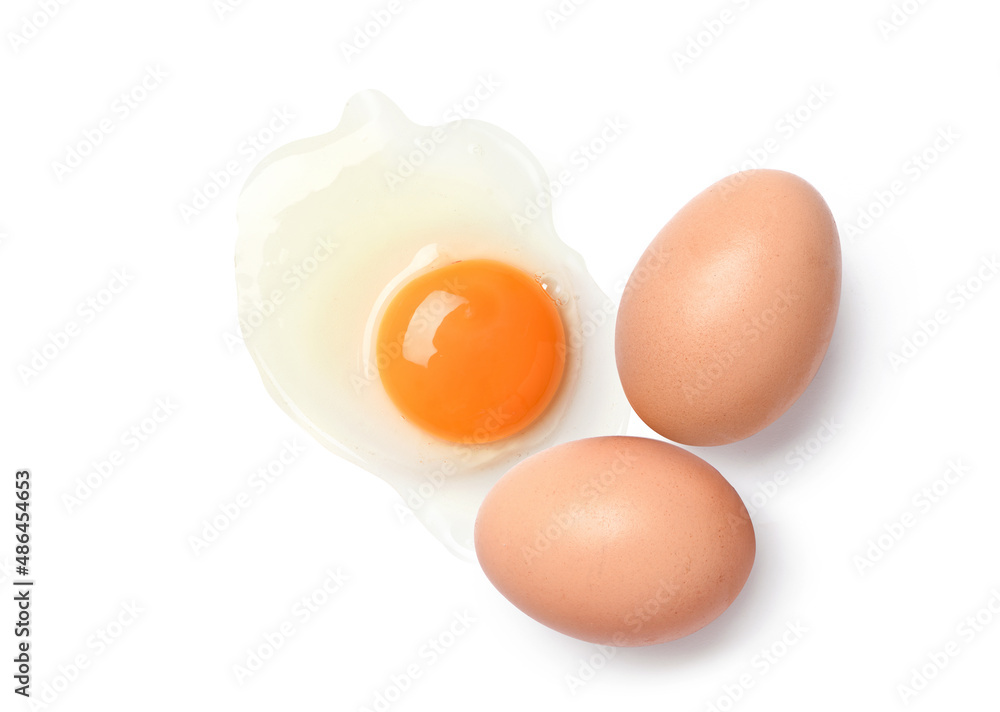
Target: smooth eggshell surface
[
  {"x": 616, "y": 540},
  {"x": 728, "y": 314}
]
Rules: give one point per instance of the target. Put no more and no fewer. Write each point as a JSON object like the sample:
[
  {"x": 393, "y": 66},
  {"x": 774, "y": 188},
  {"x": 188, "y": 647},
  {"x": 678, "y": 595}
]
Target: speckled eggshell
[
  {"x": 616, "y": 540},
  {"x": 728, "y": 314}
]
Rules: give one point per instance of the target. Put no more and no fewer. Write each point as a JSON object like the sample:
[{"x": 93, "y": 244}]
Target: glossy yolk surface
[{"x": 471, "y": 352}]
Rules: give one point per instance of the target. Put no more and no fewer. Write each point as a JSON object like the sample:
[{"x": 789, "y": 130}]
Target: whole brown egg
[
  {"x": 618, "y": 540},
  {"x": 729, "y": 312}
]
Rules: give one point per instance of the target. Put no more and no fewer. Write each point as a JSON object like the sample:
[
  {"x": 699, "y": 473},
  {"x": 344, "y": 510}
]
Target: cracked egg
[{"x": 402, "y": 309}]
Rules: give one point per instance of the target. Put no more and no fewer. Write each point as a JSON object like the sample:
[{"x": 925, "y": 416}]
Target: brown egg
[
  {"x": 728, "y": 314},
  {"x": 616, "y": 540}
]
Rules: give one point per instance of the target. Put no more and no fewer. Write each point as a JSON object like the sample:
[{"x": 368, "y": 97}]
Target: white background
[{"x": 168, "y": 335}]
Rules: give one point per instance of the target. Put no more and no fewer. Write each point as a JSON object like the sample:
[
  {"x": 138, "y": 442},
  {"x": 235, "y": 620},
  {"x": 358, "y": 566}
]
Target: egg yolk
[{"x": 471, "y": 352}]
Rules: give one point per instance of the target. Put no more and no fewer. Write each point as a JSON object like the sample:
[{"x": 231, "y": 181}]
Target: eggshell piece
[
  {"x": 616, "y": 540},
  {"x": 728, "y": 314}
]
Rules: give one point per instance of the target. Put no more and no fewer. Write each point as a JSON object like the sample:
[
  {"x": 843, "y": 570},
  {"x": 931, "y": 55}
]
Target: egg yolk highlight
[{"x": 471, "y": 352}]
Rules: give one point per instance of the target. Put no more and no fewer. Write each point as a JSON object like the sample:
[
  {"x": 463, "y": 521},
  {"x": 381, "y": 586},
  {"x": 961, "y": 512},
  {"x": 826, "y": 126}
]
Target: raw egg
[{"x": 402, "y": 308}]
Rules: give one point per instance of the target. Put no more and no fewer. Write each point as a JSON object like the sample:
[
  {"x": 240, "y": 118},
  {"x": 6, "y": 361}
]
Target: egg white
[{"x": 332, "y": 226}]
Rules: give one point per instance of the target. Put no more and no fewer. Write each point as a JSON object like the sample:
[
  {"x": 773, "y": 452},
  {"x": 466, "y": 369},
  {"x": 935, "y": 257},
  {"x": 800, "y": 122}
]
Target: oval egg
[
  {"x": 616, "y": 540},
  {"x": 728, "y": 314}
]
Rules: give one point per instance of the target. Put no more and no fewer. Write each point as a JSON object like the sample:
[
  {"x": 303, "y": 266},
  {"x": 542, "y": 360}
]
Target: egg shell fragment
[
  {"x": 728, "y": 314},
  {"x": 616, "y": 540}
]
